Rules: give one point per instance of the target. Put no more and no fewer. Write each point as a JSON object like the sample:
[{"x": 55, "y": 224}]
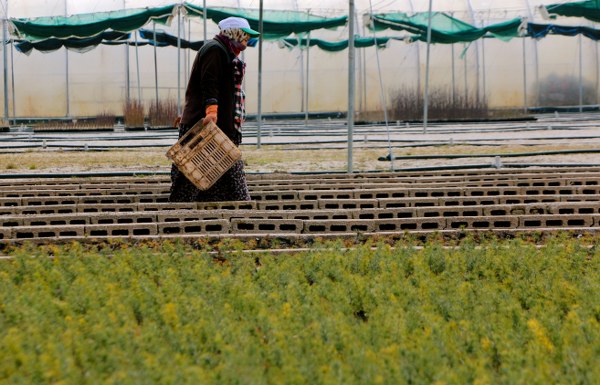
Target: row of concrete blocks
[
  {"x": 49, "y": 191},
  {"x": 317, "y": 195},
  {"x": 168, "y": 216},
  {"x": 263, "y": 227},
  {"x": 550, "y": 178},
  {"x": 465, "y": 174},
  {"x": 437, "y": 204},
  {"x": 271, "y": 179}
]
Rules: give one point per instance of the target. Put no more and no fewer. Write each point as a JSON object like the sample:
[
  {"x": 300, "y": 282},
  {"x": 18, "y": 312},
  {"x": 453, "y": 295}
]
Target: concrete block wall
[{"x": 319, "y": 205}]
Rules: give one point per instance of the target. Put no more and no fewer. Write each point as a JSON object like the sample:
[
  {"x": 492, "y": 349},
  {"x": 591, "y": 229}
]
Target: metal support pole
[
  {"x": 524, "y": 76},
  {"x": 4, "y": 55},
  {"x": 476, "y": 54},
  {"x": 307, "y": 79},
  {"x": 178, "y": 61},
  {"x": 12, "y": 70},
  {"x": 483, "y": 70},
  {"x": 259, "y": 104},
  {"x": 351, "y": 84},
  {"x": 580, "y": 74},
  {"x": 426, "y": 101},
  {"x": 418, "y": 55},
  {"x": 155, "y": 64},
  {"x": 597, "y": 71},
  {"x": 127, "y": 81},
  {"x": 204, "y": 17},
  {"x": 137, "y": 67},
  {"x": 453, "y": 78},
  {"x": 466, "y": 80},
  {"x": 382, "y": 93},
  {"x": 67, "y": 72}
]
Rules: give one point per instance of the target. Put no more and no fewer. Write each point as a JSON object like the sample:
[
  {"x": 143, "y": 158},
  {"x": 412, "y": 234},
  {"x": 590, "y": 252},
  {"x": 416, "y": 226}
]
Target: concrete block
[
  {"x": 330, "y": 194},
  {"x": 188, "y": 215},
  {"x": 248, "y": 225},
  {"x": 385, "y": 213},
  {"x": 107, "y": 208},
  {"x": 407, "y": 202},
  {"x": 588, "y": 190},
  {"x": 234, "y": 205},
  {"x": 482, "y": 223},
  {"x": 408, "y": 224},
  {"x": 348, "y": 204},
  {"x": 580, "y": 198},
  {"x": 563, "y": 221},
  {"x": 435, "y": 192},
  {"x": 381, "y": 193},
  {"x": 288, "y": 205},
  {"x": 167, "y": 206},
  {"x": 9, "y": 202},
  {"x": 254, "y": 214},
  {"x": 200, "y": 227},
  {"x": 5, "y": 233},
  {"x": 121, "y": 230},
  {"x": 337, "y": 226},
  {"x": 121, "y": 218},
  {"x": 449, "y": 211},
  {"x": 274, "y": 195},
  {"x": 33, "y": 232}
]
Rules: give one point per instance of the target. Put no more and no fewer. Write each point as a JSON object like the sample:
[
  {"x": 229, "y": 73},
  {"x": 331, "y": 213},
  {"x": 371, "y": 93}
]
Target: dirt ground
[{"x": 273, "y": 158}]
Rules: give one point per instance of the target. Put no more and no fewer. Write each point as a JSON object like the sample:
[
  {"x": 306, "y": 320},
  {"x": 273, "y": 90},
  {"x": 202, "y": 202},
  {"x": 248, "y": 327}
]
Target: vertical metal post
[
  {"x": 137, "y": 67},
  {"x": 597, "y": 71},
  {"x": 204, "y": 21},
  {"x": 418, "y": 56},
  {"x": 351, "y": 84},
  {"x": 524, "y": 76},
  {"x": 127, "y": 81},
  {"x": 536, "y": 58},
  {"x": 453, "y": 77},
  {"x": 426, "y": 101},
  {"x": 5, "y": 57},
  {"x": 466, "y": 79},
  {"x": 382, "y": 93},
  {"x": 483, "y": 70},
  {"x": 259, "y": 104},
  {"x": 12, "y": 70},
  {"x": 67, "y": 72},
  {"x": 580, "y": 74},
  {"x": 155, "y": 64},
  {"x": 476, "y": 53},
  {"x": 179, "y": 60},
  {"x": 307, "y": 79}
]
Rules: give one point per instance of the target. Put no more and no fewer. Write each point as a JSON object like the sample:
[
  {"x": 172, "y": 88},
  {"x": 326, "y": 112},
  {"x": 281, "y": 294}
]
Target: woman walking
[{"x": 214, "y": 94}]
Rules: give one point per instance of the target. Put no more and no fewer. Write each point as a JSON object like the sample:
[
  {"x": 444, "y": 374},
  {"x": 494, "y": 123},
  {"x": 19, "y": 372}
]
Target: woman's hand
[{"x": 211, "y": 114}]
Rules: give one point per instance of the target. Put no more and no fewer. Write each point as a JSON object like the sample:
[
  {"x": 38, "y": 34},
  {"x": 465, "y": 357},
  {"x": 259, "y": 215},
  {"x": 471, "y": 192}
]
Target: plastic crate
[{"x": 204, "y": 154}]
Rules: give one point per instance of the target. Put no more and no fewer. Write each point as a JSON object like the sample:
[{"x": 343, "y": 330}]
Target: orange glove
[{"x": 211, "y": 114}]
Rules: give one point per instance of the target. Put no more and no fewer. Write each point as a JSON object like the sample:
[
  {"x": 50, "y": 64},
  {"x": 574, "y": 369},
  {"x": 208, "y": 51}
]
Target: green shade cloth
[
  {"x": 276, "y": 24},
  {"x": 335, "y": 46},
  {"x": 588, "y": 9},
  {"x": 445, "y": 29},
  {"x": 89, "y": 24},
  {"x": 75, "y": 44}
]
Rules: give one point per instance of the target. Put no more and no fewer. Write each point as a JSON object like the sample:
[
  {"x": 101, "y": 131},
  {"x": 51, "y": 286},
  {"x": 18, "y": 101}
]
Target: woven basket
[{"x": 204, "y": 154}]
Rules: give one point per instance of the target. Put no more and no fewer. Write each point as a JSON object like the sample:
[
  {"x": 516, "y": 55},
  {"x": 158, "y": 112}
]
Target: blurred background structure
[{"x": 486, "y": 56}]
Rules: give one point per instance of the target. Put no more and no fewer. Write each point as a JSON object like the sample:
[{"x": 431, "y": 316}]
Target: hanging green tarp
[
  {"x": 445, "y": 29},
  {"x": 276, "y": 24},
  {"x": 75, "y": 44},
  {"x": 335, "y": 46},
  {"x": 588, "y": 9},
  {"x": 164, "y": 39},
  {"x": 89, "y": 24}
]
